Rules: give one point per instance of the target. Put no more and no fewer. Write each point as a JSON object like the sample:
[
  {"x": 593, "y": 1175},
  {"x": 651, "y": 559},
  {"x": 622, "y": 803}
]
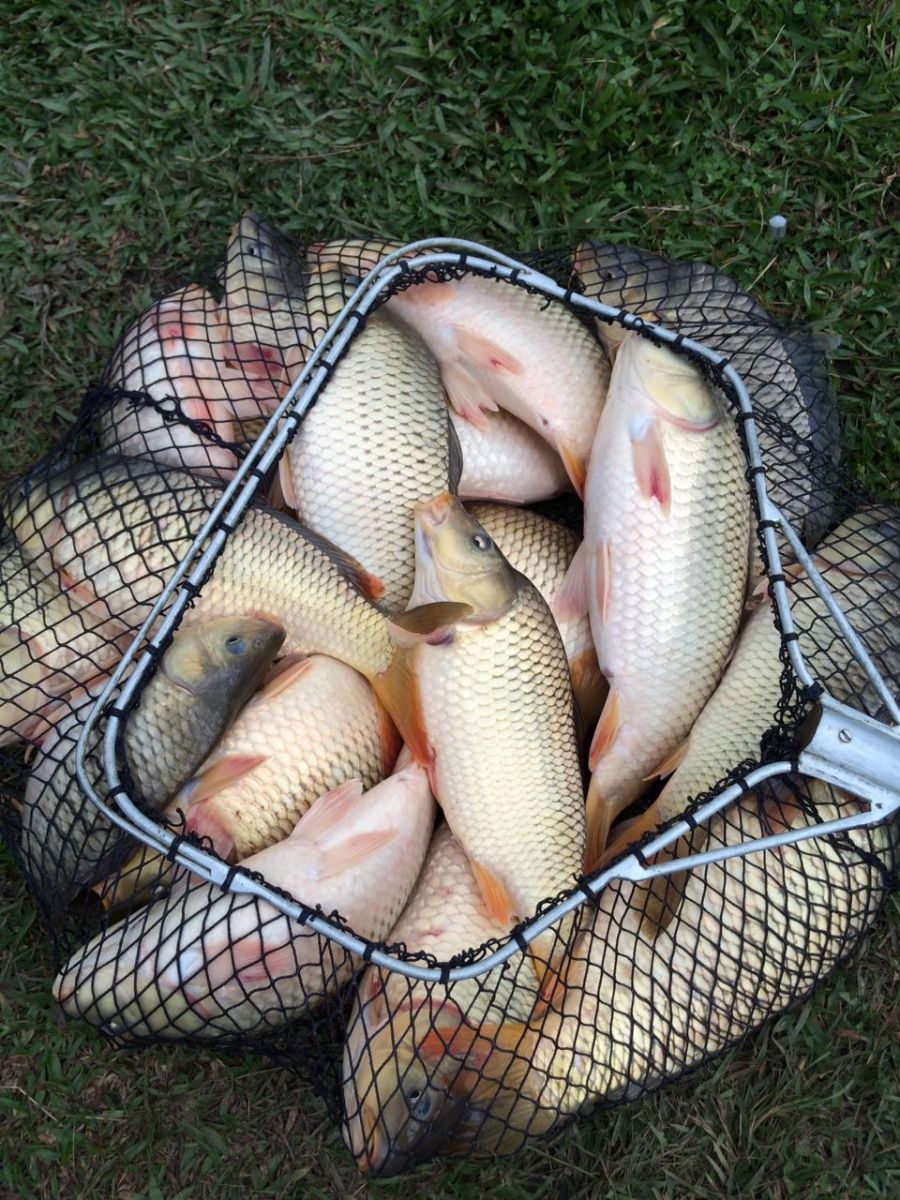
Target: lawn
[{"x": 132, "y": 136}]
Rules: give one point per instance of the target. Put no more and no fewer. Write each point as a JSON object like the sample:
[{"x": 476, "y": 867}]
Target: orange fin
[
  {"x": 283, "y": 675},
  {"x": 576, "y": 466},
  {"x": 286, "y": 479},
  {"x": 671, "y": 762},
  {"x": 572, "y": 598},
  {"x": 466, "y": 395},
  {"x": 389, "y": 740},
  {"x": 651, "y": 470},
  {"x": 494, "y": 894},
  {"x": 485, "y": 354},
  {"x": 589, "y": 687},
  {"x": 607, "y": 728},
  {"x": 220, "y": 775},
  {"x": 330, "y": 810},
  {"x": 397, "y": 687},
  {"x": 353, "y": 851},
  {"x": 431, "y": 623}
]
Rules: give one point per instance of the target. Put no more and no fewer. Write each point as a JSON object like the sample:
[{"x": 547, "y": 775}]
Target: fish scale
[{"x": 375, "y": 443}]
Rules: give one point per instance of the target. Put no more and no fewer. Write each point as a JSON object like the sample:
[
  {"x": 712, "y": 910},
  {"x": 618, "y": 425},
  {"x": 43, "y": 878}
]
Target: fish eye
[
  {"x": 420, "y": 1105},
  {"x": 235, "y": 644},
  {"x": 481, "y": 541}
]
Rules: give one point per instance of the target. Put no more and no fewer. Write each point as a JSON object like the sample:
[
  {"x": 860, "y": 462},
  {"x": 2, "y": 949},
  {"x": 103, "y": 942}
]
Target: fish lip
[{"x": 432, "y": 513}]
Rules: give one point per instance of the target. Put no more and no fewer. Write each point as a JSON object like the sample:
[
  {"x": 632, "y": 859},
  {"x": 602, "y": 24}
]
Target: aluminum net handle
[{"x": 818, "y": 759}]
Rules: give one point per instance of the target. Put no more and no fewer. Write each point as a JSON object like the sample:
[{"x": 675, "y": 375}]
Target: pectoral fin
[
  {"x": 497, "y": 899},
  {"x": 352, "y": 852},
  {"x": 671, "y": 762},
  {"x": 397, "y": 687},
  {"x": 466, "y": 395},
  {"x": 220, "y": 775},
  {"x": 329, "y": 812},
  {"x": 431, "y": 623},
  {"x": 575, "y": 464},
  {"x": 651, "y": 470},
  {"x": 572, "y": 599}
]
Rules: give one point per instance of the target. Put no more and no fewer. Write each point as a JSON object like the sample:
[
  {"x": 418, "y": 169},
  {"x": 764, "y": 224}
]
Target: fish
[
  {"x": 117, "y": 528},
  {"x": 860, "y": 564},
  {"x": 405, "y": 1062},
  {"x": 784, "y": 370},
  {"x": 662, "y": 569},
  {"x": 542, "y": 550},
  {"x": 204, "y": 677},
  {"x": 505, "y": 460},
  {"x": 193, "y": 397},
  {"x": 264, "y": 292},
  {"x": 53, "y": 640},
  {"x": 489, "y": 684},
  {"x": 207, "y": 963},
  {"x": 639, "y": 1005},
  {"x": 499, "y": 347},
  {"x": 316, "y": 724},
  {"x": 377, "y": 441}
]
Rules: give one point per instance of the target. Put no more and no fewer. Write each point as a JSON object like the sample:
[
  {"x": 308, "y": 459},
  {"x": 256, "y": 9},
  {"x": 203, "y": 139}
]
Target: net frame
[{"x": 844, "y": 747}]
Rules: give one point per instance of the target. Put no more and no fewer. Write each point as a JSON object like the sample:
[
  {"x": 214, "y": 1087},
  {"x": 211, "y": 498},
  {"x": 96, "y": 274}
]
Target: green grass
[{"x": 132, "y": 137}]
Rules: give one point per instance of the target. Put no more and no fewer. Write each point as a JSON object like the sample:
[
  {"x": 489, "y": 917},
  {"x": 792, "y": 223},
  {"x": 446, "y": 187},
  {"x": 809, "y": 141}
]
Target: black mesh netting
[{"x": 648, "y": 979}]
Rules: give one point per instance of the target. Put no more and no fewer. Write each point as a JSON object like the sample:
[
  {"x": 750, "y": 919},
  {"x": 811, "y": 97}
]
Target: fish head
[
  {"x": 628, "y": 278},
  {"x": 668, "y": 384},
  {"x": 428, "y": 1083},
  {"x": 262, "y": 267},
  {"x": 223, "y": 660},
  {"x": 458, "y": 561}
]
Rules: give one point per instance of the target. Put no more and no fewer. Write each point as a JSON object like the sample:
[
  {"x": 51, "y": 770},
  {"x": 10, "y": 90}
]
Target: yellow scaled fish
[
  {"x": 860, "y": 563},
  {"x": 314, "y": 725},
  {"x": 206, "y": 963},
  {"x": 413, "y": 1049},
  {"x": 639, "y": 1004},
  {"x": 542, "y": 550},
  {"x": 488, "y": 685},
  {"x": 377, "y": 441},
  {"x": 115, "y": 529},
  {"x": 662, "y": 569},
  {"x": 500, "y": 346},
  {"x": 506, "y": 461},
  {"x": 203, "y": 679}
]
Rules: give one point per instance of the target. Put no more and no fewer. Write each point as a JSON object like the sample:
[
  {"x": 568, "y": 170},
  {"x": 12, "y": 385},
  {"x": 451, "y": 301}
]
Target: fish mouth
[
  {"x": 432, "y": 513},
  {"x": 374, "y": 1153}
]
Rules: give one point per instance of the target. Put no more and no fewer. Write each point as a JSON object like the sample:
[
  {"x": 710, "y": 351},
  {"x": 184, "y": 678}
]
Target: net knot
[
  {"x": 177, "y": 842},
  {"x": 766, "y": 523},
  {"x": 192, "y": 589},
  {"x": 519, "y": 938},
  {"x": 229, "y": 878},
  {"x": 444, "y": 969},
  {"x": 759, "y": 470}
]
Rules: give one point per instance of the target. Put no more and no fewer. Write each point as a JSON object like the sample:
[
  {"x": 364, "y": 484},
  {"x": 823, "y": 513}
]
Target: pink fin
[
  {"x": 353, "y": 851},
  {"x": 220, "y": 775},
  {"x": 650, "y": 467},
  {"x": 572, "y": 599},
  {"x": 283, "y": 676},
  {"x": 671, "y": 762},
  {"x": 204, "y": 822},
  {"x": 286, "y": 479},
  {"x": 329, "y": 811},
  {"x": 277, "y": 963},
  {"x": 466, "y": 395},
  {"x": 485, "y": 354}
]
